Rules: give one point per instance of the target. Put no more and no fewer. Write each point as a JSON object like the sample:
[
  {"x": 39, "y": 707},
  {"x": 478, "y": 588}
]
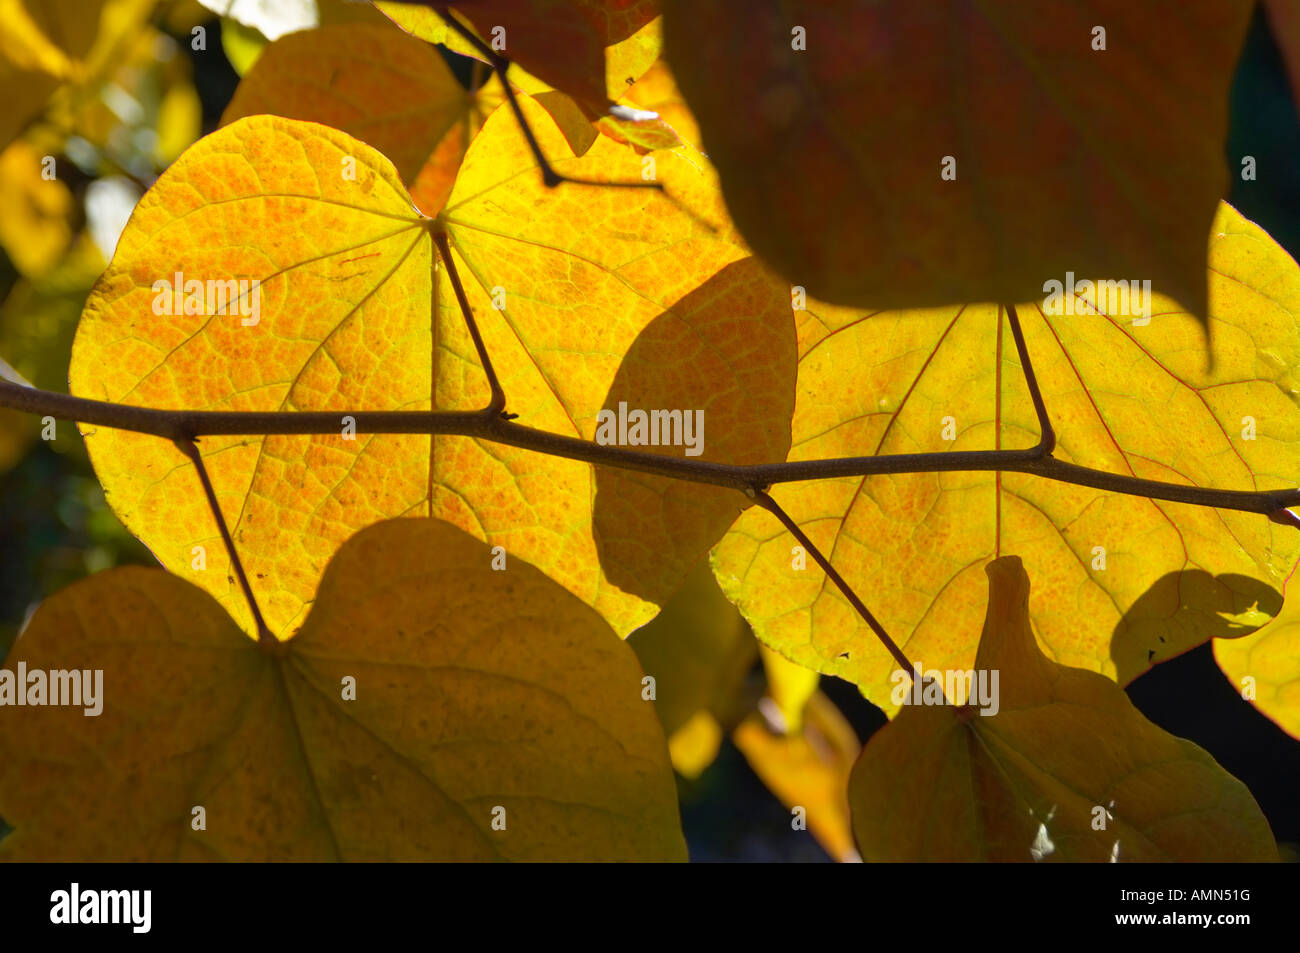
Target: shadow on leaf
[
  {"x": 1181, "y": 610},
  {"x": 724, "y": 356}
]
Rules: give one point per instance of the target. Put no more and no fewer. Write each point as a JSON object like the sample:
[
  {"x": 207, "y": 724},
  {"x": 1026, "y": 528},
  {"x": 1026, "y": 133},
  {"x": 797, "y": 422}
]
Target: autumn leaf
[
  {"x": 590, "y": 50},
  {"x": 698, "y": 651},
  {"x": 45, "y": 43},
  {"x": 37, "y": 321},
  {"x": 997, "y": 170},
  {"x": 35, "y": 211},
  {"x": 656, "y": 92},
  {"x": 587, "y": 298},
  {"x": 1264, "y": 667},
  {"x": 1066, "y": 769},
  {"x": 789, "y": 689},
  {"x": 425, "y": 692},
  {"x": 1127, "y": 581},
  {"x": 808, "y": 768},
  {"x": 378, "y": 84}
]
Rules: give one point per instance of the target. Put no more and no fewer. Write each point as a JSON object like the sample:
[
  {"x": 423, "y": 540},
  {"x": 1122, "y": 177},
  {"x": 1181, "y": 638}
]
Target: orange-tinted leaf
[
  {"x": 808, "y": 768},
  {"x": 1065, "y": 769},
  {"x": 425, "y": 693},
  {"x": 657, "y": 92},
  {"x": 377, "y": 83},
  {"x": 586, "y": 298},
  {"x": 832, "y": 156}
]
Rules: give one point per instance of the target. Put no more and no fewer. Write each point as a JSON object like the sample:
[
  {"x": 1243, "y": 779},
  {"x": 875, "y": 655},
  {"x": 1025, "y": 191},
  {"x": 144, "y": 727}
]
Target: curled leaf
[{"x": 1063, "y": 767}]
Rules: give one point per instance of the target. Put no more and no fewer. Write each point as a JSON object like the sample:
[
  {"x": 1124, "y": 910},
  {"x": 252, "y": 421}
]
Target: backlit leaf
[
  {"x": 698, "y": 650},
  {"x": 376, "y": 83},
  {"x": 808, "y": 767},
  {"x": 1066, "y": 769},
  {"x": 586, "y": 298},
  {"x": 474, "y": 690},
  {"x": 1125, "y": 581},
  {"x": 789, "y": 689},
  {"x": 591, "y": 50},
  {"x": 1264, "y": 667},
  {"x": 1104, "y": 162}
]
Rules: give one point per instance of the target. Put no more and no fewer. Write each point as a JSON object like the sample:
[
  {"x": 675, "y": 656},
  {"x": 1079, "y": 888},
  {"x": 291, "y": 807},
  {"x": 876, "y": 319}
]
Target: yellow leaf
[
  {"x": 376, "y": 83},
  {"x": 586, "y": 298},
  {"x": 44, "y": 43},
  {"x": 698, "y": 651},
  {"x": 243, "y": 45},
  {"x": 1066, "y": 769},
  {"x": 39, "y": 316},
  {"x": 1265, "y": 667},
  {"x": 902, "y": 154},
  {"x": 35, "y": 212},
  {"x": 25, "y": 44},
  {"x": 1126, "y": 581},
  {"x": 657, "y": 92},
  {"x": 789, "y": 688},
  {"x": 694, "y": 746},
  {"x": 808, "y": 768},
  {"x": 425, "y": 693},
  {"x": 589, "y": 50},
  {"x": 180, "y": 121}
]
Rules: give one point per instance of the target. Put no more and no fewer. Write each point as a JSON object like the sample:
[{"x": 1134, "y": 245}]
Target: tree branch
[{"x": 487, "y": 424}]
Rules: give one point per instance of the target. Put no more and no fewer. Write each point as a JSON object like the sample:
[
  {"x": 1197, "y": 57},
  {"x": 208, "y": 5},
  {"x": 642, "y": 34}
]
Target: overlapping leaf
[
  {"x": 379, "y": 84},
  {"x": 831, "y": 155},
  {"x": 1125, "y": 581},
  {"x": 1265, "y": 667},
  {"x": 698, "y": 650},
  {"x": 590, "y": 50},
  {"x": 471, "y": 690},
  {"x": 605, "y": 295},
  {"x": 1066, "y": 769}
]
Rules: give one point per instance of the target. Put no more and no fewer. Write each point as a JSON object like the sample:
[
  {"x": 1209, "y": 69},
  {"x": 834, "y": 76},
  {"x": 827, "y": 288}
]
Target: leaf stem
[
  {"x": 764, "y": 500},
  {"x": 190, "y": 448},
  {"x": 500, "y": 64},
  {"x": 497, "y": 402},
  {"x": 1047, "y": 442}
]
